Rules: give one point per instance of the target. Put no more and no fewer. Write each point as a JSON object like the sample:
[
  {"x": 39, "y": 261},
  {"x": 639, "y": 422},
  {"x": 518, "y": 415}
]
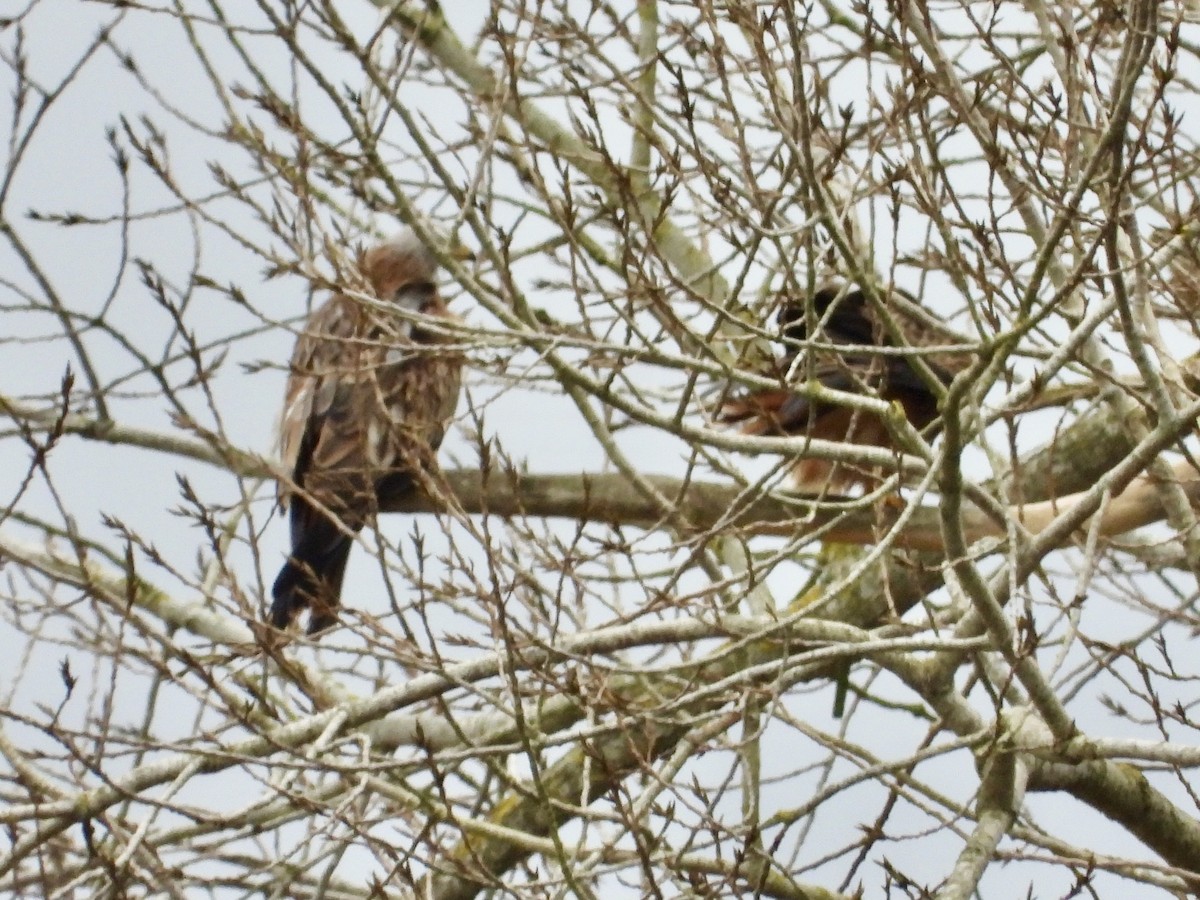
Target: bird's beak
[{"x": 458, "y": 251}]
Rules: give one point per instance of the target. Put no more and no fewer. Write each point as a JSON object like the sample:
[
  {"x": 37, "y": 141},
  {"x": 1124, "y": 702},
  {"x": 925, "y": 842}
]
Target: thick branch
[{"x": 611, "y": 498}]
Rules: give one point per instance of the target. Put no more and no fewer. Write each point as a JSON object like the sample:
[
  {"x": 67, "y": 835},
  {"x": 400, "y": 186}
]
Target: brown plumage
[
  {"x": 844, "y": 316},
  {"x": 369, "y": 396}
]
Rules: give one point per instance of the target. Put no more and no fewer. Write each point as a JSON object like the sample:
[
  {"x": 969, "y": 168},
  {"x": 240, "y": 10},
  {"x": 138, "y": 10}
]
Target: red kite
[
  {"x": 370, "y": 392},
  {"x": 843, "y": 316}
]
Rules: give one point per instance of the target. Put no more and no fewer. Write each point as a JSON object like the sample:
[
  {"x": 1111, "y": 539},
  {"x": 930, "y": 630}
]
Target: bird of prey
[
  {"x": 843, "y": 317},
  {"x": 370, "y": 391}
]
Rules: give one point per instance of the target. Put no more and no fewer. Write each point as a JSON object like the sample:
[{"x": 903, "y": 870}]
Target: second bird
[
  {"x": 849, "y": 352},
  {"x": 370, "y": 392}
]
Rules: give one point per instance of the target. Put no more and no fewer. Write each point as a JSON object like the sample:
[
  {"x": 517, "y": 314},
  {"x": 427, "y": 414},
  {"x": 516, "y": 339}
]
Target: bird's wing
[
  {"x": 784, "y": 410},
  {"x": 851, "y": 319},
  {"x": 318, "y": 426},
  {"x": 847, "y": 317}
]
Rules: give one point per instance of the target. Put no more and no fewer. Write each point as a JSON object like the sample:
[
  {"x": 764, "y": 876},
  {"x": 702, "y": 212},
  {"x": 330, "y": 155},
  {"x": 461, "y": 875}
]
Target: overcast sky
[{"x": 69, "y": 168}]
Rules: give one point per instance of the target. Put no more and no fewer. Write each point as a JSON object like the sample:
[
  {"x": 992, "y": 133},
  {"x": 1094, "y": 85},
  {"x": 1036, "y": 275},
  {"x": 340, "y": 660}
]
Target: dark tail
[{"x": 312, "y": 576}]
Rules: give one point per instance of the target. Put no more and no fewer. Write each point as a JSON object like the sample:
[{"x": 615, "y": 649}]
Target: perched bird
[
  {"x": 370, "y": 392},
  {"x": 843, "y": 316}
]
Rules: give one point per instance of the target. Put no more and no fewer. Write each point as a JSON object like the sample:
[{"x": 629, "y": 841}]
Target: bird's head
[
  {"x": 792, "y": 319},
  {"x": 401, "y": 270},
  {"x": 838, "y": 307}
]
